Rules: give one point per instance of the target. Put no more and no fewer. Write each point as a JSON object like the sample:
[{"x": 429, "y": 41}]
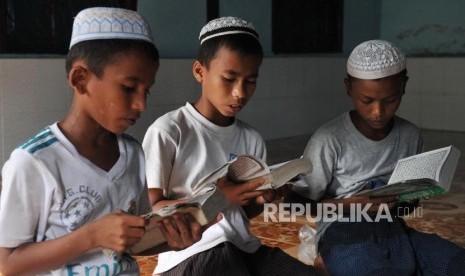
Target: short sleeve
[
  {"x": 261, "y": 149},
  {"x": 159, "y": 149},
  {"x": 322, "y": 153},
  {"x": 144, "y": 202},
  {"x": 22, "y": 200}
]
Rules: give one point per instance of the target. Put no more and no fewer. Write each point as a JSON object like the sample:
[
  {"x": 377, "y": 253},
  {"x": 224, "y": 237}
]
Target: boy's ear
[
  {"x": 77, "y": 78},
  {"x": 198, "y": 70},
  {"x": 347, "y": 85},
  {"x": 404, "y": 84}
]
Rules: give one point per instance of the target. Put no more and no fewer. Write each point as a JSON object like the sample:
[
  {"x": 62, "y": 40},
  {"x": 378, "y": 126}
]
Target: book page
[
  {"x": 419, "y": 176},
  {"x": 422, "y": 166},
  {"x": 284, "y": 173},
  {"x": 246, "y": 167},
  {"x": 448, "y": 170},
  {"x": 240, "y": 169},
  {"x": 211, "y": 178}
]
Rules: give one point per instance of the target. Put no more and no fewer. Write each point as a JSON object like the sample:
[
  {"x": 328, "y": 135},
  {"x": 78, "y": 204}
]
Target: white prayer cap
[
  {"x": 109, "y": 23},
  {"x": 226, "y": 25},
  {"x": 375, "y": 59}
]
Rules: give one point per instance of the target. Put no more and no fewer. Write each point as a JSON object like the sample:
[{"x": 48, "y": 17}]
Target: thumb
[{"x": 255, "y": 183}]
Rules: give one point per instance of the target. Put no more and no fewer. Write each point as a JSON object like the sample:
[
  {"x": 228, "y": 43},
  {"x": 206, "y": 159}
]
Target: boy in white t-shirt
[
  {"x": 186, "y": 144},
  {"x": 78, "y": 186}
]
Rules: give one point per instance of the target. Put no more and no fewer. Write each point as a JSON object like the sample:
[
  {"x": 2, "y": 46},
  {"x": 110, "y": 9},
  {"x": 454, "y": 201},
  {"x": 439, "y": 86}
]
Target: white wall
[
  {"x": 435, "y": 95},
  {"x": 294, "y": 95}
]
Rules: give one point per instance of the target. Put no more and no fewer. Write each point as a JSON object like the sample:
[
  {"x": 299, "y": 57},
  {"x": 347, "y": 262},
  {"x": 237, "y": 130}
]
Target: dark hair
[
  {"x": 244, "y": 44},
  {"x": 402, "y": 73},
  {"x": 99, "y": 53}
]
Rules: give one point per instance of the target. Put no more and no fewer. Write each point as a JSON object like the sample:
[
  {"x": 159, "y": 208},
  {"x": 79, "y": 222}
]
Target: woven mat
[{"x": 444, "y": 215}]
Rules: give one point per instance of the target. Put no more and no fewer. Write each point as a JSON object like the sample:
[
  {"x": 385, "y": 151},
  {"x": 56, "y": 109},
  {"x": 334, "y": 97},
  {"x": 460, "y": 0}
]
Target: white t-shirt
[
  {"x": 181, "y": 147},
  {"x": 49, "y": 190}
]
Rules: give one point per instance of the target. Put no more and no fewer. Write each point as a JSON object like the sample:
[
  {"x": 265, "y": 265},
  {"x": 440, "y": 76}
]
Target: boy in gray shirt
[{"x": 359, "y": 150}]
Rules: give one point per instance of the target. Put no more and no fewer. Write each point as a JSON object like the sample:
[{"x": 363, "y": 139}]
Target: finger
[
  {"x": 170, "y": 227},
  {"x": 270, "y": 195},
  {"x": 172, "y": 239},
  {"x": 162, "y": 228},
  {"x": 195, "y": 228},
  {"x": 131, "y": 241},
  {"x": 251, "y": 195},
  {"x": 135, "y": 232},
  {"x": 118, "y": 212},
  {"x": 252, "y": 184},
  {"x": 245, "y": 202},
  {"x": 223, "y": 182},
  {"x": 260, "y": 200},
  {"x": 183, "y": 226},
  {"x": 133, "y": 221}
]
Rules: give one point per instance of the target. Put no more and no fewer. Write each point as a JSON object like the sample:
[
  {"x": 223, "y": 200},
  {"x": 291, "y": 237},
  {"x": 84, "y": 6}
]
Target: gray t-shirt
[{"x": 344, "y": 160}]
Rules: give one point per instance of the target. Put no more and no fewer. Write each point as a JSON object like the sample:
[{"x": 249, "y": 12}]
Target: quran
[
  {"x": 420, "y": 176},
  {"x": 247, "y": 167}
]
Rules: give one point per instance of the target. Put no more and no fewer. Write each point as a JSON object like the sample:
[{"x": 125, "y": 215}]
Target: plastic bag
[{"x": 307, "y": 249}]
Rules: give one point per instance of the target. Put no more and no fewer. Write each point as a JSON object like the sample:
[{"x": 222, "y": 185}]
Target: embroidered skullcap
[
  {"x": 109, "y": 23},
  {"x": 375, "y": 59},
  {"x": 226, "y": 25}
]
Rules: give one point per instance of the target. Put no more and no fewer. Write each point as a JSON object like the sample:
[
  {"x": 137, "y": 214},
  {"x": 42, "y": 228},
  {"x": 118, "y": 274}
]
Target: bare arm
[
  {"x": 117, "y": 231},
  {"x": 158, "y": 200},
  {"x": 256, "y": 207},
  {"x": 246, "y": 195}
]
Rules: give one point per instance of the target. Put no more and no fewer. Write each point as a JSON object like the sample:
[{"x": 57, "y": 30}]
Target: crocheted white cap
[
  {"x": 109, "y": 23},
  {"x": 375, "y": 59},
  {"x": 226, "y": 25}
]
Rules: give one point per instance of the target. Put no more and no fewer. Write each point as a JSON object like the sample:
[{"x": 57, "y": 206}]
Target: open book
[
  {"x": 208, "y": 201},
  {"x": 247, "y": 167},
  {"x": 420, "y": 176},
  {"x": 204, "y": 206}
]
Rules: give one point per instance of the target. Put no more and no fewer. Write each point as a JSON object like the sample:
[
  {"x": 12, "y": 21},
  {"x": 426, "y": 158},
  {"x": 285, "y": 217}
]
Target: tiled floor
[{"x": 444, "y": 215}]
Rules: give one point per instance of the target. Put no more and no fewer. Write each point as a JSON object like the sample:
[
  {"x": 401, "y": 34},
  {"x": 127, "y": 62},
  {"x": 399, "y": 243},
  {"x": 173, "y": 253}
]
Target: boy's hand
[
  {"x": 240, "y": 193},
  {"x": 182, "y": 230},
  {"x": 274, "y": 194},
  {"x": 117, "y": 231}
]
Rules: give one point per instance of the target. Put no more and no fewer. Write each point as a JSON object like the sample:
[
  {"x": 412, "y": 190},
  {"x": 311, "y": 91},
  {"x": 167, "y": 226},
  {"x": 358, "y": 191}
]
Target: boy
[
  {"x": 186, "y": 144},
  {"x": 78, "y": 186},
  {"x": 359, "y": 150}
]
